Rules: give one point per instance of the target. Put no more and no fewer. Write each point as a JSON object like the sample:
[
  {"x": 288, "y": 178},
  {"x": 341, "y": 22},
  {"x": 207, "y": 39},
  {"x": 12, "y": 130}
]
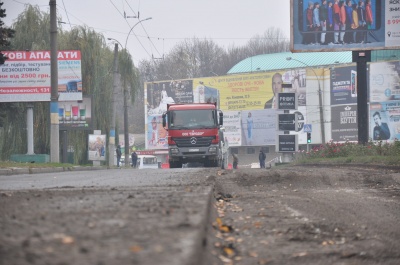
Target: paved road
[
  {"x": 104, "y": 217},
  {"x": 291, "y": 215}
]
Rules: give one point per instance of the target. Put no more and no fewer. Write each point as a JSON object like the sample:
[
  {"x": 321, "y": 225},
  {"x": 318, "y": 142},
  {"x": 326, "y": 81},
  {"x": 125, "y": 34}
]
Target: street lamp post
[
  {"x": 126, "y": 126},
  {"x": 111, "y": 142},
  {"x": 321, "y": 111}
]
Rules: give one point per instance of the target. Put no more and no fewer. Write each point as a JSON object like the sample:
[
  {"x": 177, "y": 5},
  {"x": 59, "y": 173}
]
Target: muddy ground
[
  {"x": 307, "y": 215},
  {"x": 288, "y": 215}
]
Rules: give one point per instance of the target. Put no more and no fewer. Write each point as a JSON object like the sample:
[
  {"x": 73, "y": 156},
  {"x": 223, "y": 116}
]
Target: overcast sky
[{"x": 226, "y": 22}]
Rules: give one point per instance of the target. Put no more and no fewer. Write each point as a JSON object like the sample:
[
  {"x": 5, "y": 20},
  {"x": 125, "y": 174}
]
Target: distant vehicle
[
  {"x": 144, "y": 161},
  {"x": 194, "y": 134},
  {"x": 147, "y": 161}
]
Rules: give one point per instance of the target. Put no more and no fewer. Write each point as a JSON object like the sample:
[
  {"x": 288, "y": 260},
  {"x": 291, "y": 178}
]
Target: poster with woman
[
  {"x": 97, "y": 147},
  {"x": 156, "y": 135}
]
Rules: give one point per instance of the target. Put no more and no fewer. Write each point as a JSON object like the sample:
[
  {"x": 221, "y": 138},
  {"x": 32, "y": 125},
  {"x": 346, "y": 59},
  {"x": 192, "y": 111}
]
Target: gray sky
[{"x": 226, "y": 22}]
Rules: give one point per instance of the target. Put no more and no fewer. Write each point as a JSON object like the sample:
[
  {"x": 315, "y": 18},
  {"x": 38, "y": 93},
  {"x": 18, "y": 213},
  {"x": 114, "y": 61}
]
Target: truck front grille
[{"x": 193, "y": 141}]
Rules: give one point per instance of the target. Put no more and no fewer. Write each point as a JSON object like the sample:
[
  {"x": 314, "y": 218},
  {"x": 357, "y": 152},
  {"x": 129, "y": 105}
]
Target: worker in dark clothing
[
  {"x": 261, "y": 158},
  {"x": 235, "y": 161}
]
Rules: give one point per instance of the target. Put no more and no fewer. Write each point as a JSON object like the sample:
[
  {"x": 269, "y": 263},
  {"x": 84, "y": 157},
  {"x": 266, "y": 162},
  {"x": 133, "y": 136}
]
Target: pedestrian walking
[
  {"x": 235, "y": 160},
  {"x": 261, "y": 158},
  {"x": 118, "y": 151},
  {"x": 134, "y": 159}
]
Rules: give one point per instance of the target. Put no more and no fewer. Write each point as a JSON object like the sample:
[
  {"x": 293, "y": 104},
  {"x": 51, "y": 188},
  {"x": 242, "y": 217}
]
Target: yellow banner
[{"x": 236, "y": 92}]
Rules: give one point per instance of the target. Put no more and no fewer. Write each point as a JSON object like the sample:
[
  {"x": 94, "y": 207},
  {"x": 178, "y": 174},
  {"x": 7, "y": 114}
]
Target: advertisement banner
[
  {"x": 97, "y": 147},
  {"x": 233, "y": 132},
  {"x": 253, "y": 91},
  {"x": 156, "y": 135},
  {"x": 159, "y": 94},
  {"x": 238, "y": 92},
  {"x": 258, "y": 127},
  {"x": 235, "y": 95},
  {"x": 344, "y": 123},
  {"x": 73, "y": 115},
  {"x": 344, "y": 85},
  {"x": 344, "y": 25},
  {"x": 25, "y": 76},
  {"x": 121, "y": 141},
  {"x": 297, "y": 79},
  {"x": 301, "y": 120},
  {"x": 385, "y": 121},
  {"x": 384, "y": 81},
  {"x": 286, "y": 143}
]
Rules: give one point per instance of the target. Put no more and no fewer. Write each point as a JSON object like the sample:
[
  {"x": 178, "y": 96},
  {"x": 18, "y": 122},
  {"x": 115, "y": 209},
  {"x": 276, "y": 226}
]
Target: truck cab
[{"x": 194, "y": 134}]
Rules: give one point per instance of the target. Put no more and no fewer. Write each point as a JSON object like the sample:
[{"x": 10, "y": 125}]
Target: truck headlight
[
  {"x": 212, "y": 149},
  {"x": 174, "y": 150}
]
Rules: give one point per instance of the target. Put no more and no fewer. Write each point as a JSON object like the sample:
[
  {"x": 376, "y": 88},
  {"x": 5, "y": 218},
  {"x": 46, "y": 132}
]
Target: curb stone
[{"x": 38, "y": 170}]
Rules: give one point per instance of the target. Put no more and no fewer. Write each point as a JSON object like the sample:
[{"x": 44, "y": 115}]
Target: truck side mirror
[{"x": 221, "y": 118}]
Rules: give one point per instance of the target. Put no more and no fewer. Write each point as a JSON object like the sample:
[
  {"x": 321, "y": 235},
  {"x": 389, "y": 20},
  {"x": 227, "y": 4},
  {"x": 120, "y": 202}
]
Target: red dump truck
[{"x": 194, "y": 134}]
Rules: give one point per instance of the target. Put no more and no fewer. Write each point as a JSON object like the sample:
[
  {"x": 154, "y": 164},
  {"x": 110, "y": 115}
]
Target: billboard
[
  {"x": 255, "y": 91},
  {"x": 344, "y": 123},
  {"x": 344, "y": 25},
  {"x": 25, "y": 76},
  {"x": 159, "y": 94},
  {"x": 385, "y": 121},
  {"x": 258, "y": 127},
  {"x": 156, "y": 135},
  {"x": 97, "y": 147},
  {"x": 236, "y": 96},
  {"x": 73, "y": 115},
  {"x": 232, "y": 127},
  {"x": 344, "y": 85},
  {"x": 384, "y": 81}
]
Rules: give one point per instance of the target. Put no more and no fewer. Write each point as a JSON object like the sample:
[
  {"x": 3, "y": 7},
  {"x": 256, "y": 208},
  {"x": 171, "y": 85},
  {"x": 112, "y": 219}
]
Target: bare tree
[
  {"x": 198, "y": 58},
  {"x": 272, "y": 41}
]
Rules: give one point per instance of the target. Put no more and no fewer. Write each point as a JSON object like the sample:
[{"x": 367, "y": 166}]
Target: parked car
[{"x": 147, "y": 161}]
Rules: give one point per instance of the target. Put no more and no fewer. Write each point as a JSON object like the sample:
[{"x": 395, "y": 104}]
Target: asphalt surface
[{"x": 289, "y": 215}]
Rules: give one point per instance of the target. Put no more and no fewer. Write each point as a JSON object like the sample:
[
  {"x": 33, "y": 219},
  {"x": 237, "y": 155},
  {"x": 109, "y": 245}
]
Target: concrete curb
[
  {"x": 200, "y": 238},
  {"x": 39, "y": 170}
]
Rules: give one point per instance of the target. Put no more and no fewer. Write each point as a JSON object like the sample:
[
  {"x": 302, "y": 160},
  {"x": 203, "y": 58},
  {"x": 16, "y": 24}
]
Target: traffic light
[{"x": 308, "y": 138}]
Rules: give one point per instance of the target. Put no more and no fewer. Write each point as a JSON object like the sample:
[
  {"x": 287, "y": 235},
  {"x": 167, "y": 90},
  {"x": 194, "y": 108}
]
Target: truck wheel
[{"x": 173, "y": 164}]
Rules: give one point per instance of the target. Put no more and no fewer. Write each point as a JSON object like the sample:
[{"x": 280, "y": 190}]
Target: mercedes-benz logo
[{"x": 193, "y": 140}]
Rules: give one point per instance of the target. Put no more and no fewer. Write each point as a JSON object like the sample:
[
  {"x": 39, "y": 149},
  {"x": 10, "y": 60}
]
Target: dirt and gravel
[
  {"x": 307, "y": 215},
  {"x": 283, "y": 215}
]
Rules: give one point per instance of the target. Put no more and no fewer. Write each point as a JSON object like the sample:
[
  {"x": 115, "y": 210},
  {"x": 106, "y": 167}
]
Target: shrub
[{"x": 352, "y": 149}]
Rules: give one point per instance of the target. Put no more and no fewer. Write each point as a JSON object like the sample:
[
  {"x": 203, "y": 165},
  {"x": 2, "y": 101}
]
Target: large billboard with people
[{"x": 344, "y": 25}]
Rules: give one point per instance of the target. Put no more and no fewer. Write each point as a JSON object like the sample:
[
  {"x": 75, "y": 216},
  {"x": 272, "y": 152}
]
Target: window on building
[
  {"x": 251, "y": 150},
  {"x": 265, "y": 149},
  {"x": 234, "y": 150}
]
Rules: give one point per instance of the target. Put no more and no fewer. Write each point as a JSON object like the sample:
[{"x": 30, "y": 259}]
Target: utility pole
[
  {"x": 111, "y": 142},
  {"x": 126, "y": 126},
  {"x": 321, "y": 107},
  {"x": 54, "y": 122}
]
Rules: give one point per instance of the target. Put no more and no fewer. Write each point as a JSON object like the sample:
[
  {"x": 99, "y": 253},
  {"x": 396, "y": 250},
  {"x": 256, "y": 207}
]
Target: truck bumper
[{"x": 193, "y": 154}]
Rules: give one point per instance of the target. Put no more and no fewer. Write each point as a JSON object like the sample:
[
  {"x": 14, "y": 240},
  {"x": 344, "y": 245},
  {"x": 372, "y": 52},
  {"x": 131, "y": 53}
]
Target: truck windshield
[{"x": 190, "y": 119}]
